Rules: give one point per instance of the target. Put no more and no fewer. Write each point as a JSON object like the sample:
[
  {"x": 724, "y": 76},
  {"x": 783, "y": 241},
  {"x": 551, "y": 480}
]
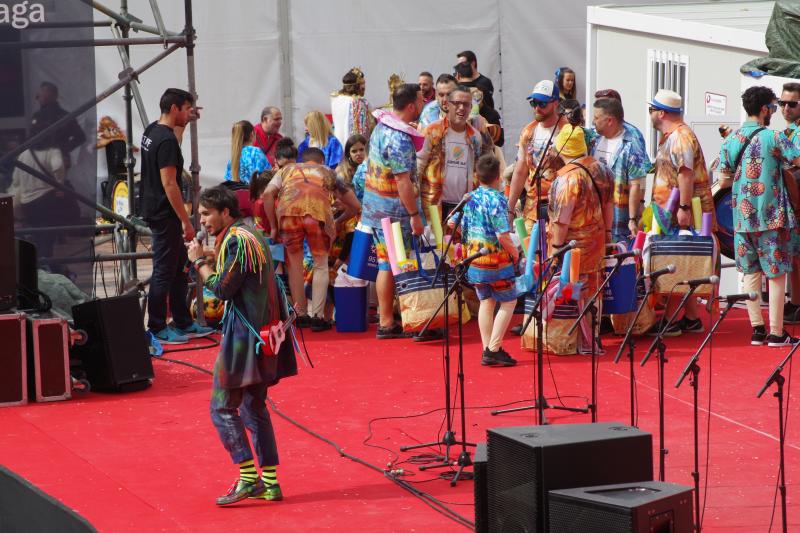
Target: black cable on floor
[{"x": 434, "y": 503}]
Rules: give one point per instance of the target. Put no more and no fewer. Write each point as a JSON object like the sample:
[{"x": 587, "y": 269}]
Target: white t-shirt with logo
[
  {"x": 605, "y": 148},
  {"x": 540, "y": 137},
  {"x": 457, "y": 167}
]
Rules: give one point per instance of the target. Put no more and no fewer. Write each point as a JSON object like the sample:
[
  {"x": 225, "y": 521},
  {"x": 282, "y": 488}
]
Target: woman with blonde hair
[
  {"x": 245, "y": 158},
  {"x": 320, "y": 135}
]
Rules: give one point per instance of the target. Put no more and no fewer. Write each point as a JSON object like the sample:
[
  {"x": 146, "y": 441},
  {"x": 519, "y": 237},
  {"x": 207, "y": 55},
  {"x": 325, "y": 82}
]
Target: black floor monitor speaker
[
  {"x": 651, "y": 507},
  {"x": 8, "y": 258},
  {"x": 525, "y": 463},
  {"x": 115, "y": 356},
  {"x": 481, "y": 497}
]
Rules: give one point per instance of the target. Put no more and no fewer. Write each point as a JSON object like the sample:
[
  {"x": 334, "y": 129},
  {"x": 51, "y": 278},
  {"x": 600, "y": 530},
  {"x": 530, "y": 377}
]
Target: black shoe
[
  {"x": 606, "y": 326},
  {"x": 429, "y": 335},
  {"x": 392, "y": 332},
  {"x": 674, "y": 330},
  {"x": 241, "y": 490},
  {"x": 759, "y": 335},
  {"x": 791, "y": 313},
  {"x": 319, "y": 324},
  {"x": 688, "y": 325},
  {"x": 517, "y": 330},
  {"x": 302, "y": 321},
  {"x": 487, "y": 358},
  {"x": 777, "y": 341},
  {"x": 498, "y": 358}
]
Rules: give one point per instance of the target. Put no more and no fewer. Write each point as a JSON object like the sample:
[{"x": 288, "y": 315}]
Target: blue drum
[{"x": 723, "y": 206}]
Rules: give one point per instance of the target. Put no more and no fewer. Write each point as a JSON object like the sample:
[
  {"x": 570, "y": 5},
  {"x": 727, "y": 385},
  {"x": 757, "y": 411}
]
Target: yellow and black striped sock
[
  {"x": 269, "y": 475},
  {"x": 248, "y": 472}
]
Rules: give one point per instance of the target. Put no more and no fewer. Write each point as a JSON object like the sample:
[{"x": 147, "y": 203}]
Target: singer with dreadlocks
[{"x": 246, "y": 366}]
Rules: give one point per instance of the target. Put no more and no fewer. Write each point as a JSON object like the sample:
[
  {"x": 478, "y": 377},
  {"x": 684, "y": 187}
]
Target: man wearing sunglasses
[
  {"x": 763, "y": 218},
  {"x": 790, "y": 109},
  {"x": 532, "y": 141}
]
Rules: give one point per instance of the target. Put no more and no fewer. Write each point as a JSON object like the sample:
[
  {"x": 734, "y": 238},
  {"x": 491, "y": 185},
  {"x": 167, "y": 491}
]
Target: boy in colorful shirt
[{"x": 485, "y": 225}]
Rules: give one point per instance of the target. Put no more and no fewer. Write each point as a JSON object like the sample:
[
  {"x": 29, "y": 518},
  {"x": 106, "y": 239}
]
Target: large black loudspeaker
[
  {"x": 115, "y": 356},
  {"x": 481, "y": 496},
  {"x": 652, "y": 507},
  {"x": 525, "y": 463},
  {"x": 8, "y": 258}
]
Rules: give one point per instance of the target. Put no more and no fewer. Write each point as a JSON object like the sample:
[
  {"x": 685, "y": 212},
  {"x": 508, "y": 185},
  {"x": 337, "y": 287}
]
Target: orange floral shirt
[
  {"x": 678, "y": 149},
  {"x": 531, "y": 153},
  {"x": 577, "y": 202}
]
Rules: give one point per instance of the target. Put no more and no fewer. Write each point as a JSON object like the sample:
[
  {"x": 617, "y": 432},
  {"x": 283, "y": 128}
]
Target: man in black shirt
[
  {"x": 467, "y": 75},
  {"x": 162, "y": 208}
]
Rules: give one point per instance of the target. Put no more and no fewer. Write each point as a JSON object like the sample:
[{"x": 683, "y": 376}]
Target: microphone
[
  {"x": 564, "y": 249},
  {"x": 711, "y": 280},
  {"x": 733, "y": 298},
  {"x": 200, "y": 236},
  {"x": 669, "y": 269},
  {"x": 624, "y": 255},
  {"x": 459, "y": 206},
  {"x": 473, "y": 257}
]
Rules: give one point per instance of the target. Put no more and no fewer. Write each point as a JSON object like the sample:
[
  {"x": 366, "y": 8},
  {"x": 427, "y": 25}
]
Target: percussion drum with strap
[{"x": 723, "y": 208}]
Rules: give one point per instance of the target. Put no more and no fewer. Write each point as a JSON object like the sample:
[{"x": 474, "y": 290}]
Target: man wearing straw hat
[{"x": 679, "y": 164}]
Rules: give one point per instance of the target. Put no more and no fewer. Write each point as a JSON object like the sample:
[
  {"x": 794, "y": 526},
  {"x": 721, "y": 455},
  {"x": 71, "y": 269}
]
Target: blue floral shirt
[
  {"x": 251, "y": 160},
  {"x": 358, "y": 181},
  {"x": 760, "y": 201},
  {"x": 485, "y": 217},
  {"x": 430, "y": 114},
  {"x": 630, "y": 162}
]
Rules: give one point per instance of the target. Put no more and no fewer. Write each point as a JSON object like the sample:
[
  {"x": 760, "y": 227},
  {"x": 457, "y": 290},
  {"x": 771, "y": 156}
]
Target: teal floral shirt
[{"x": 760, "y": 201}]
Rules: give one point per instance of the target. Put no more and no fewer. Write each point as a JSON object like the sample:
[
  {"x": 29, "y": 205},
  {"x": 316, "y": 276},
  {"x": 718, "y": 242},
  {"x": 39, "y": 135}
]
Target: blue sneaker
[
  {"x": 193, "y": 331},
  {"x": 170, "y": 335}
]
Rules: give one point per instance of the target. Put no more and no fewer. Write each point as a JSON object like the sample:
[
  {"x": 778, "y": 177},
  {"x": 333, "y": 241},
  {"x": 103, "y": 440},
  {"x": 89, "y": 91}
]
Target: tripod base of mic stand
[
  {"x": 546, "y": 406},
  {"x": 448, "y": 440},
  {"x": 464, "y": 460}
]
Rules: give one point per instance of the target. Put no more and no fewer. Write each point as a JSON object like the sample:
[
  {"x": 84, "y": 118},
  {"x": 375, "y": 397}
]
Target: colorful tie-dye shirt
[
  {"x": 485, "y": 217},
  {"x": 760, "y": 200},
  {"x": 359, "y": 179},
  {"x": 678, "y": 149},
  {"x": 530, "y": 150},
  {"x": 630, "y": 162},
  {"x": 252, "y": 160},
  {"x": 391, "y": 152}
]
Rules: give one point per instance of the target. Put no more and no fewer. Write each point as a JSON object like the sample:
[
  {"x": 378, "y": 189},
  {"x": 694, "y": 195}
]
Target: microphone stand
[
  {"x": 541, "y": 402},
  {"x": 592, "y": 308},
  {"x": 693, "y": 368},
  {"x": 449, "y": 437},
  {"x": 658, "y": 344},
  {"x": 777, "y": 378}
]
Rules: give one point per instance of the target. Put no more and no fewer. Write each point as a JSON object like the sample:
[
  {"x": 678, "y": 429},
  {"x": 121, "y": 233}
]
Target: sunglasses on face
[
  {"x": 538, "y": 103},
  {"x": 788, "y": 103},
  {"x": 772, "y": 107},
  {"x": 652, "y": 109}
]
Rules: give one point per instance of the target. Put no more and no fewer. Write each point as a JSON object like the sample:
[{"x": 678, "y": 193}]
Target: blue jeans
[
  {"x": 169, "y": 283},
  {"x": 233, "y": 410}
]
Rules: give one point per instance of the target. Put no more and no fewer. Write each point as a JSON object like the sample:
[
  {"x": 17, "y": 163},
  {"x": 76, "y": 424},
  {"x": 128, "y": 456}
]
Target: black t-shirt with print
[
  {"x": 485, "y": 85},
  {"x": 160, "y": 149}
]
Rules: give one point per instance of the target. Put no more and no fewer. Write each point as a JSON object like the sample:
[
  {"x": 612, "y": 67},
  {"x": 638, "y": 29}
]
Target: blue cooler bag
[
  {"x": 620, "y": 293},
  {"x": 363, "y": 262}
]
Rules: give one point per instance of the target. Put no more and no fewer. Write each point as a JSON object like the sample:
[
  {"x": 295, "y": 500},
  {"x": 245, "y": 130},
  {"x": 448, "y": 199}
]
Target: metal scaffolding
[{"x": 121, "y": 23}]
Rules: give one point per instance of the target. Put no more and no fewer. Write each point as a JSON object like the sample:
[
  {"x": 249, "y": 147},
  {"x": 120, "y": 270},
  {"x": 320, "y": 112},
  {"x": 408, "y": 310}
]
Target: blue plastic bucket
[
  {"x": 620, "y": 292},
  {"x": 351, "y": 309},
  {"x": 363, "y": 262}
]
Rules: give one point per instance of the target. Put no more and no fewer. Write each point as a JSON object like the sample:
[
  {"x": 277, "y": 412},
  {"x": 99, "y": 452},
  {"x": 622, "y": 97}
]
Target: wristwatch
[{"x": 684, "y": 207}]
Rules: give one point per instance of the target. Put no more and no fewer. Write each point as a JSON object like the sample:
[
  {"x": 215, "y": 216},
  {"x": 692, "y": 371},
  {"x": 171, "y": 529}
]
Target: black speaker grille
[
  {"x": 52, "y": 360},
  {"x": 479, "y": 486},
  {"x": 8, "y": 256},
  {"x": 12, "y": 359},
  {"x": 513, "y": 472},
  {"x": 572, "y": 517}
]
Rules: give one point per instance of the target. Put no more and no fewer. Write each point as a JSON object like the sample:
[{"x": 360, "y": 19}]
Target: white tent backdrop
[{"x": 238, "y": 56}]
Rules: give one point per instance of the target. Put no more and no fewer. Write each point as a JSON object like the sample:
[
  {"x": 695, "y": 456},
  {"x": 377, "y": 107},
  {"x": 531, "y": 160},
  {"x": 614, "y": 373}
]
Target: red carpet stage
[{"x": 151, "y": 460}]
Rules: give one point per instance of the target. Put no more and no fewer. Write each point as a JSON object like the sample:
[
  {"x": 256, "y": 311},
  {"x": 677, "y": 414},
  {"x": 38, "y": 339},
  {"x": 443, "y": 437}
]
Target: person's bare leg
[
  {"x": 485, "y": 321},
  {"x": 385, "y": 288},
  {"x": 294, "y": 267},
  {"x": 777, "y": 292}
]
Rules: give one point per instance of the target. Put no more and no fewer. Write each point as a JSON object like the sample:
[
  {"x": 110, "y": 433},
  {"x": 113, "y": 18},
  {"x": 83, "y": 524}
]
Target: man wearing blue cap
[{"x": 532, "y": 141}]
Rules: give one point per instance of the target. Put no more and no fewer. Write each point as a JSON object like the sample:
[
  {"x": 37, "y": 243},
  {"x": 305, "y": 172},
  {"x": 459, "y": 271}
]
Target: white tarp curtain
[{"x": 238, "y": 57}]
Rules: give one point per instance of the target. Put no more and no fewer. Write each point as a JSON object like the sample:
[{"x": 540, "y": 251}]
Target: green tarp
[{"x": 783, "y": 42}]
